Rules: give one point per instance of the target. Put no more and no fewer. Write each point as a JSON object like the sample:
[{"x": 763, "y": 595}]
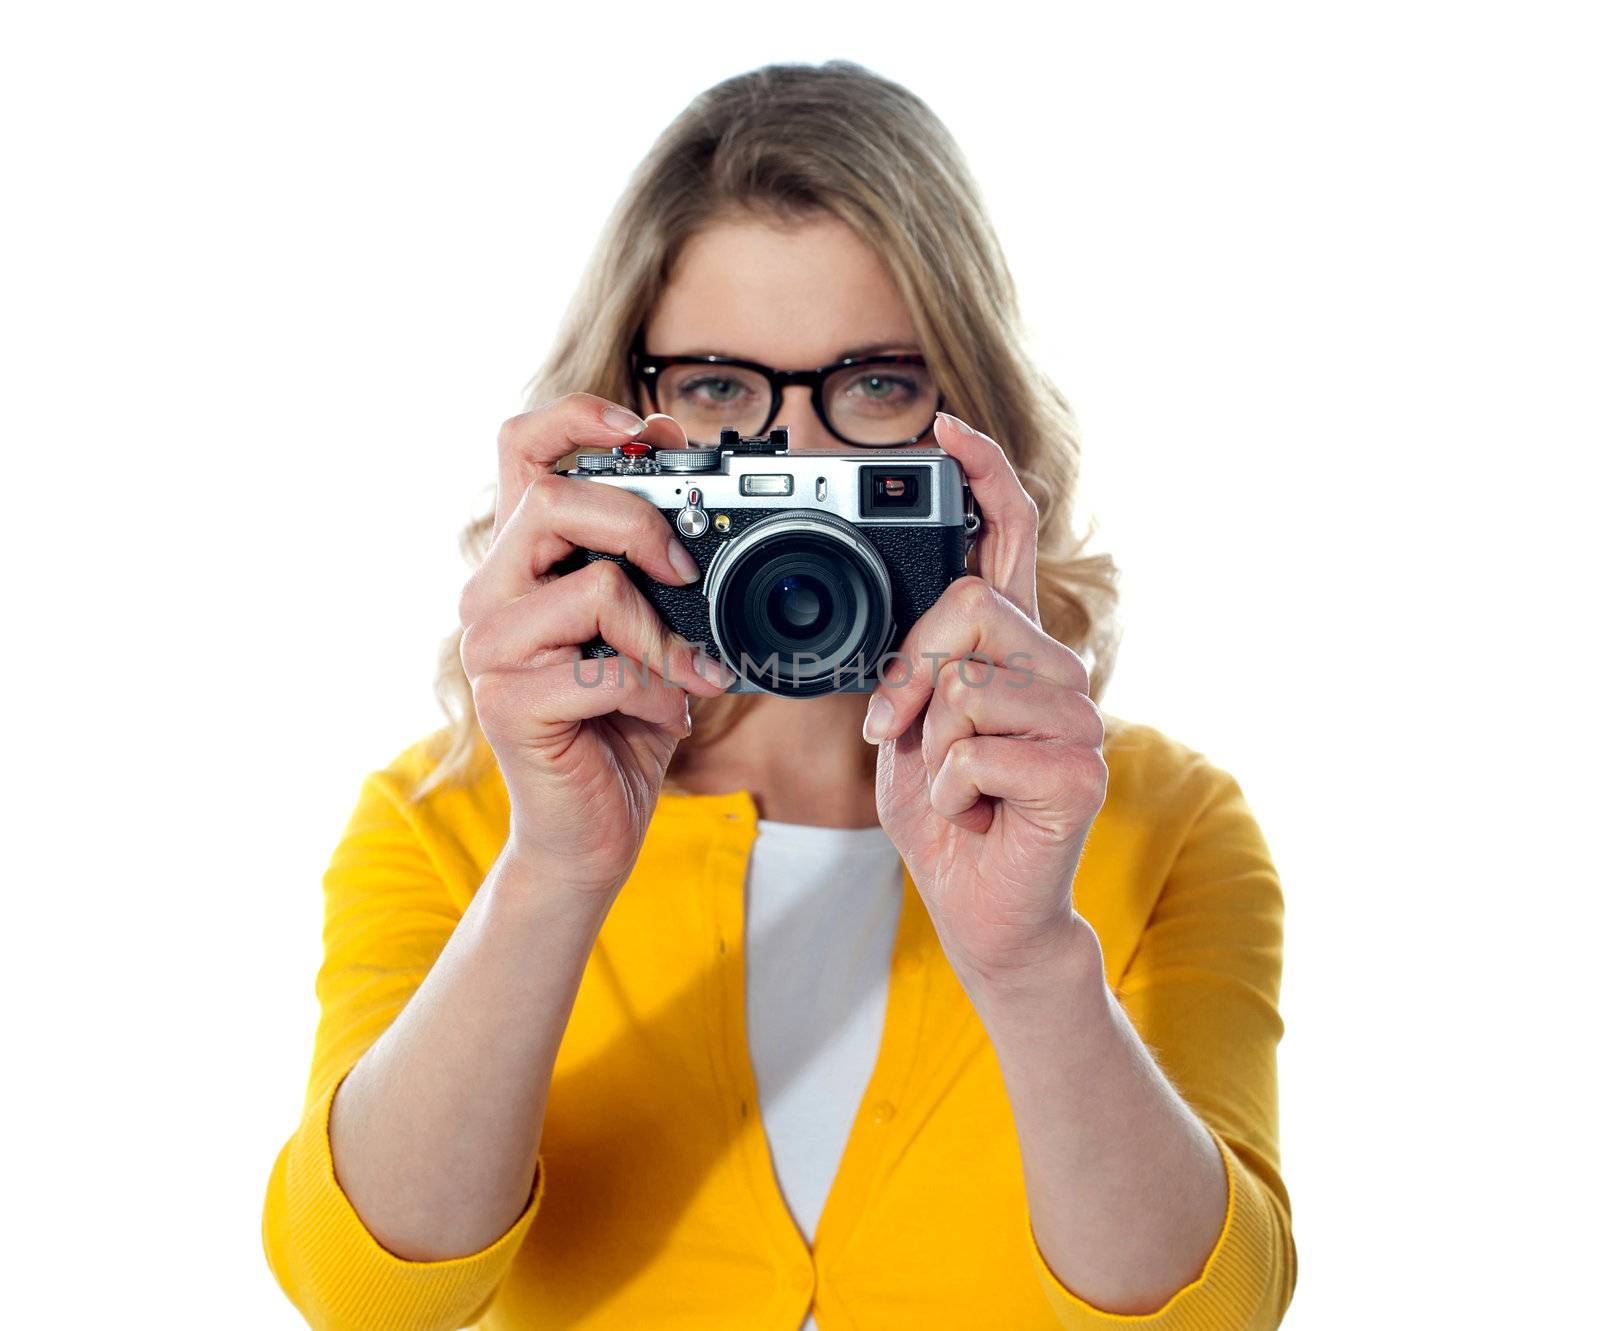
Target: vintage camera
[{"x": 814, "y": 565}]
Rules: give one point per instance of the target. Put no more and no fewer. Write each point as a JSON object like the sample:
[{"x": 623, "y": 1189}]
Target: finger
[
  {"x": 532, "y": 443},
  {"x": 545, "y": 703},
  {"x": 981, "y": 698},
  {"x": 969, "y": 619},
  {"x": 598, "y": 600},
  {"x": 664, "y": 431},
  {"x": 1008, "y": 539},
  {"x": 559, "y": 514},
  {"x": 1062, "y": 786}
]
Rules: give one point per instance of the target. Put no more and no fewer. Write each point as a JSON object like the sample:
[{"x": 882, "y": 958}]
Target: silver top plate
[{"x": 841, "y": 496}]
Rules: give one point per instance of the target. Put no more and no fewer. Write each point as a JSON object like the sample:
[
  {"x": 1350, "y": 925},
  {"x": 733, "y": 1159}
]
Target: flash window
[{"x": 766, "y": 483}]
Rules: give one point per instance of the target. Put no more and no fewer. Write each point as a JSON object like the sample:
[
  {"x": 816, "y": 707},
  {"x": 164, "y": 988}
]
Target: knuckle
[
  {"x": 516, "y": 432},
  {"x": 951, "y": 687},
  {"x": 963, "y": 754},
  {"x": 609, "y": 580},
  {"x": 1073, "y": 669},
  {"x": 969, "y": 593},
  {"x": 543, "y": 491},
  {"x": 1096, "y": 725},
  {"x": 1028, "y": 510},
  {"x": 467, "y": 602},
  {"x": 666, "y": 640},
  {"x": 476, "y": 657},
  {"x": 1082, "y": 777},
  {"x": 652, "y": 628},
  {"x": 491, "y": 698},
  {"x": 511, "y": 431}
]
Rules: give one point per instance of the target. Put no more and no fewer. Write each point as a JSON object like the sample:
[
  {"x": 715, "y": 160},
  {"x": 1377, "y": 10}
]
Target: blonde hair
[{"x": 786, "y": 142}]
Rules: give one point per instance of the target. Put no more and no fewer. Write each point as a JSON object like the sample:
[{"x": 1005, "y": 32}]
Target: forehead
[{"x": 788, "y": 294}]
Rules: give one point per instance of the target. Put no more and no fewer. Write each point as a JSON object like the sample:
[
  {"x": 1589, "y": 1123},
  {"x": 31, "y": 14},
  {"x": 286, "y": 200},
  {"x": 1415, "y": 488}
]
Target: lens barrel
[{"x": 799, "y": 604}]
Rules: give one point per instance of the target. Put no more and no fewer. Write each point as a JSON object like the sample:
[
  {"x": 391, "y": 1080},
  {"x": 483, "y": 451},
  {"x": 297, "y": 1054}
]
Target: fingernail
[
  {"x": 879, "y": 716},
  {"x": 682, "y": 561},
  {"x": 620, "y": 418},
  {"x": 957, "y": 422},
  {"x": 714, "y": 671}
]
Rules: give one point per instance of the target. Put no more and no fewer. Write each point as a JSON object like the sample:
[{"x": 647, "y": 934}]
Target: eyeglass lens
[{"x": 869, "y": 403}]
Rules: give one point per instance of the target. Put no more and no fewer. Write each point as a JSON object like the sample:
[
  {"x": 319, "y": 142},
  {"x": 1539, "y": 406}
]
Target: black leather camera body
[{"x": 814, "y": 564}]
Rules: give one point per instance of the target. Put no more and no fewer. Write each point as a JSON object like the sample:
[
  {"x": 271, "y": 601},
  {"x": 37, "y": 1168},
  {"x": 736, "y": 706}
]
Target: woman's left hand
[{"x": 989, "y": 793}]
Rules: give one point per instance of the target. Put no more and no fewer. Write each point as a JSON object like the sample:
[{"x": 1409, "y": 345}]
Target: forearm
[
  {"x": 1126, "y": 1191},
  {"x": 435, "y": 1132}
]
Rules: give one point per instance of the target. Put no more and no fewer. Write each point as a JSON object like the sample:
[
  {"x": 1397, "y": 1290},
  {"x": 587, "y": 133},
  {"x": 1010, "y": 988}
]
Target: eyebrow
[
  {"x": 876, "y": 349},
  {"x": 851, "y": 353}
]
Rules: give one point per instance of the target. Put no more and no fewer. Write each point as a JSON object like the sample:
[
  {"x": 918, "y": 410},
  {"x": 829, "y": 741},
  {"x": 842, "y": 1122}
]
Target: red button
[{"x": 635, "y": 450}]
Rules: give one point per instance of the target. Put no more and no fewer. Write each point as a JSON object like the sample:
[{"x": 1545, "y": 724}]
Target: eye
[
  {"x": 718, "y": 391},
  {"x": 881, "y": 386}
]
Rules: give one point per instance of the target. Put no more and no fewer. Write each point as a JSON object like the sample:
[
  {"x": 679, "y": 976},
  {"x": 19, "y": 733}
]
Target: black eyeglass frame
[{"x": 645, "y": 368}]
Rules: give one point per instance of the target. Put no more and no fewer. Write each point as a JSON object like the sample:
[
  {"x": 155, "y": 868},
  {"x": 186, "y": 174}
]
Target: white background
[{"x": 1321, "y": 284}]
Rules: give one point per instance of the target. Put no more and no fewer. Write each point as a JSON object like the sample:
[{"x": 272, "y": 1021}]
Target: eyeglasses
[{"x": 867, "y": 401}]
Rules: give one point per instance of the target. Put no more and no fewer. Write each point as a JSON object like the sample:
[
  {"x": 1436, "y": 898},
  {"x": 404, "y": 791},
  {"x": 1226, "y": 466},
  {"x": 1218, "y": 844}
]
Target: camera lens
[{"x": 800, "y": 604}]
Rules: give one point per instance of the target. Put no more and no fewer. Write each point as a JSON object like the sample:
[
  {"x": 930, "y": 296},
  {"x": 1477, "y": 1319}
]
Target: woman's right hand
[{"x": 582, "y": 761}]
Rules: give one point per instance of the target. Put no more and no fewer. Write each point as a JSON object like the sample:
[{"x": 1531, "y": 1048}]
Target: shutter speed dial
[{"x": 688, "y": 459}]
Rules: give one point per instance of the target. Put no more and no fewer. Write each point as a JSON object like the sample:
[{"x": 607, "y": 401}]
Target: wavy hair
[{"x": 786, "y": 142}]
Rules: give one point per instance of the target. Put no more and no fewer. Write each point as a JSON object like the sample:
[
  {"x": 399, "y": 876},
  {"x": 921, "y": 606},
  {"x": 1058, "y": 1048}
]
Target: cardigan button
[{"x": 882, "y": 1112}]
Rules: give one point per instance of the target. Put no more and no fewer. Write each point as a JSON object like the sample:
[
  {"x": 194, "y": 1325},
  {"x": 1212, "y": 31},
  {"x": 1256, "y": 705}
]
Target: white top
[{"x": 821, "y": 908}]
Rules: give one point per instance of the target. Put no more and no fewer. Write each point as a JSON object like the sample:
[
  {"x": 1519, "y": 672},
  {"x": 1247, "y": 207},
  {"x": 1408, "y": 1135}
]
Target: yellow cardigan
[{"x": 655, "y": 1206}]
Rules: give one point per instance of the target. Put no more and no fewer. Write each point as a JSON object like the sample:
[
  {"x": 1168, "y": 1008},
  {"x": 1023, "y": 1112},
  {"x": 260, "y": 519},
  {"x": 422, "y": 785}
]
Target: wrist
[
  {"x": 590, "y": 869},
  {"x": 523, "y": 875},
  {"x": 1069, "y": 973}
]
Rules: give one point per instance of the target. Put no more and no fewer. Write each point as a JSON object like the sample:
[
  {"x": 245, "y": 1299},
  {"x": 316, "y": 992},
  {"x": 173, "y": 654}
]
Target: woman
[{"x": 951, "y": 1006}]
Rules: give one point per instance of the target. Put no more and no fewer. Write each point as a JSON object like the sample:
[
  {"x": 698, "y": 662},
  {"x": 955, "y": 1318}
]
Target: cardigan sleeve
[
  {"x": 387, "y": 916},
  {"x": 1202, "y": 991}
]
